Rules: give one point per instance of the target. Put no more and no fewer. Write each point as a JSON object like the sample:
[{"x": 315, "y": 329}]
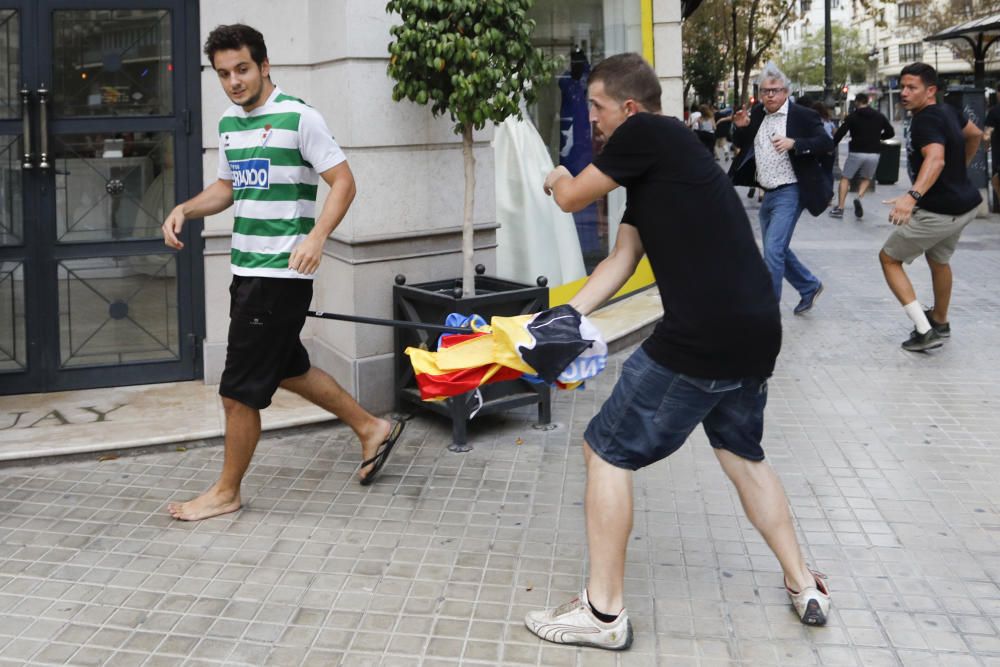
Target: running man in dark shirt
[
  {"x": 707, "y": 363},
  {"x": 868, "y": 128}
]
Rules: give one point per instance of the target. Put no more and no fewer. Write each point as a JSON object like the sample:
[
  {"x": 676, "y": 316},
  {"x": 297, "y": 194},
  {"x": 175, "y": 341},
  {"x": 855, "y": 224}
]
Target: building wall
[
  {"x": 667, "y": 54},
  {"x": 885, "y": 31},
  {"x": 810, "y": 19},
  {"x": 407, "y": 216}
]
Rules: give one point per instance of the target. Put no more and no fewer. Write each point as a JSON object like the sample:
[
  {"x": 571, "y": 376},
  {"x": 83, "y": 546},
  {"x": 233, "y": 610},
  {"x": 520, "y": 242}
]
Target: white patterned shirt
[{"x": 773, "y": 168}]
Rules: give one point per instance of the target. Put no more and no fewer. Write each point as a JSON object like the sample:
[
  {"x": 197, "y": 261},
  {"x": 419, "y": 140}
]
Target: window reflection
[
  {"x": 112, "y": 62},
  {"x": 13, "y": 346},
  {"x": 10, "y": 63},
  {"x": 578, "y": 34},
  {"x": 116, "y": 310},
  {"x": 113, "y": 187},
  {"x": 11, "y": 201}
]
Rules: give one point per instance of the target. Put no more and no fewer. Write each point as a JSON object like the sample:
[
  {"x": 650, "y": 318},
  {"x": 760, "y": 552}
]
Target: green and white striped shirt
[{"x": 273, "y": 155}]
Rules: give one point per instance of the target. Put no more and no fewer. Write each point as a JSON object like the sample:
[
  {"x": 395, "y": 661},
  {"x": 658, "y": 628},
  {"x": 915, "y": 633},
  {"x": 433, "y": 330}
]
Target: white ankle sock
[{"x": 916, "y": 313}]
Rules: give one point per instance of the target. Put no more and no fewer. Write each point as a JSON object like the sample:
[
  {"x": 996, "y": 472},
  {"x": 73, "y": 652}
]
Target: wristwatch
[{"x": 916, "y": 195}]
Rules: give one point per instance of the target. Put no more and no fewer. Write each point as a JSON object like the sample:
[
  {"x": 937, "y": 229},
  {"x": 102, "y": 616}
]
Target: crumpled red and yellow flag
[{"x": 558, "y": 346}]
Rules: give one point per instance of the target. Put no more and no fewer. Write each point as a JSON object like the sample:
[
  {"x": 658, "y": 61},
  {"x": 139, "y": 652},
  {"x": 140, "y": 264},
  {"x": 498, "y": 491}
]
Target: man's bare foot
[
  {"x": 371, "y": 442},
  {"x": 211, "y": 503}
]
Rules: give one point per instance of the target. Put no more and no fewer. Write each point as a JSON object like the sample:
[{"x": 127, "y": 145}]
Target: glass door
[
  {"x": 110, "y": 108},
  {"x": 18, "y": 201}
]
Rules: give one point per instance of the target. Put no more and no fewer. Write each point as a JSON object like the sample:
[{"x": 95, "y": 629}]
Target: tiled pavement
[{"x": 890, "y": 461}]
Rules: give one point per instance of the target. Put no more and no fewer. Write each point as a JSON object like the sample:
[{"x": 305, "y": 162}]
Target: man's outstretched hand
[
  {"x": 741, "y": 118},
  {"x": 172, "y": 227}
]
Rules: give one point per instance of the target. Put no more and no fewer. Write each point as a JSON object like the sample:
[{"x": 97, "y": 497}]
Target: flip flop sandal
[{"x": 383, "y": 453}]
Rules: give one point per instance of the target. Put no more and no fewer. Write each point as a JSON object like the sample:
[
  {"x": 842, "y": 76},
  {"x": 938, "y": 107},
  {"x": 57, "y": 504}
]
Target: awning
[
  {"x": 988, "y": 26},
  {"x": 980, "y": 33}
]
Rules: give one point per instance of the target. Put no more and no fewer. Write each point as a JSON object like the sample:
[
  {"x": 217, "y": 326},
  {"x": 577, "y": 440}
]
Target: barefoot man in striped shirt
[{"x": 273, "y": 148}]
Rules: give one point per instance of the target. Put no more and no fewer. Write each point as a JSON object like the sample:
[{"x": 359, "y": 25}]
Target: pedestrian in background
[
  {"x": 930, "y": 217},
  {"x": 785, "y": 151},
  {"x": 830, "y": 127},
  {"x": 723, "y": 135},
  {"x": 992, "y": 137},
  {"x": 694, "y": 117},
  {"x": 705, "y": 128},
  {"x": 868, "y": 128}
]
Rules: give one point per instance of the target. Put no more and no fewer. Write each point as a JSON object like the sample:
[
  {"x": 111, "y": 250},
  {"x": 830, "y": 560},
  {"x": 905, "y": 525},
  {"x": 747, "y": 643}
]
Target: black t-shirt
[
  {"x": 993, "y": 120},
  {"x": 868, "y": 128},
  {"x": 952, "y": 193},
  {"x": 720, "y": 317}
]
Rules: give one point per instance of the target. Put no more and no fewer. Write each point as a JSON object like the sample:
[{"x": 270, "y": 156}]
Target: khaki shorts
[{"x": 933, "y": 234}]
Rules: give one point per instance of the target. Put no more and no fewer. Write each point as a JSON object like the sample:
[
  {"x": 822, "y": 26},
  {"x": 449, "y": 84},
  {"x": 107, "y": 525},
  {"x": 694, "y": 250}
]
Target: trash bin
[{"x": 887, "y": 172}]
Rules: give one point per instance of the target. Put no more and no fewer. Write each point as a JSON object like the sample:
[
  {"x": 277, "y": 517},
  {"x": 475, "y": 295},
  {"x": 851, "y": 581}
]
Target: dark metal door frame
[
  {"x": 44, "y": 252},
  {"x": 27, "y": 252}
]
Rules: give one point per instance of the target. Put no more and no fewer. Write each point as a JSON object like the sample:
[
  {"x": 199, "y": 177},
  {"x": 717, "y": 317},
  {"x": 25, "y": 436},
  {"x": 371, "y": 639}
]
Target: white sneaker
[
  {"x": 812, "y": 604},
  {"x": 575, "y": 623}
]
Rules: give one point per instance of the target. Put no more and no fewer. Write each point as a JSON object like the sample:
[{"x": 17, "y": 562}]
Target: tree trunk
[
  {"x": 468, "y": 272},
  {"x": 749, "y": 61},
  {"x": 736, "y": 68}
]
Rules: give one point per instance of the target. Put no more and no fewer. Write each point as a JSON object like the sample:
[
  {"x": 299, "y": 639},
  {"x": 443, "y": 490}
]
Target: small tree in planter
[{"x": 471, "y": 59}]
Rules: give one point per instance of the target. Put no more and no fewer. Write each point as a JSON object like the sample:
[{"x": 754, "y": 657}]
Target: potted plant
[{"x": 472, "y": 60}]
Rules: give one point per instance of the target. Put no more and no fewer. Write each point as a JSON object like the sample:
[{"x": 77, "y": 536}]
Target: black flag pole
[{"x": 401, "y": 324}]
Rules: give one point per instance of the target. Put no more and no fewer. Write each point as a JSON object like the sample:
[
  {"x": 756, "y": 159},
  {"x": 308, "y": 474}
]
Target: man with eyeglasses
[{"x": 785, "y": 151}]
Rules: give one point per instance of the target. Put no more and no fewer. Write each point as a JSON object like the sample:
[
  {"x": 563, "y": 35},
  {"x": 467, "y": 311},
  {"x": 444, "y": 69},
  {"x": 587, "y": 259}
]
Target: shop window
[{"x": 579, "y": 34}]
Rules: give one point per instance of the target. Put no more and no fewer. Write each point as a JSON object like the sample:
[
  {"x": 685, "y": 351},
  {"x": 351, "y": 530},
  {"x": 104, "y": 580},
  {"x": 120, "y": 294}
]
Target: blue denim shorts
[{"x": 652, "y": 411}]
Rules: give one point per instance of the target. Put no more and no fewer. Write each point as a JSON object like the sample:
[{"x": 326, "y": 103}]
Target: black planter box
[{"x": 430, "y": 303}]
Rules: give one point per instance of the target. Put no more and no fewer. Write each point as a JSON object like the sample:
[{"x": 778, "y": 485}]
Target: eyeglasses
[{"x": 768, "y": 92}]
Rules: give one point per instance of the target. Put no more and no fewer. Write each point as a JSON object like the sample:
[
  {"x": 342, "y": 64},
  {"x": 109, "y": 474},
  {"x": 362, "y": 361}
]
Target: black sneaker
[
  {"x": 922, "y": 342},
  {"x": 806, "y": 303},
  {"x": 750, "y": 193},
  {"x": 943, "y": 330},
  {"x": 836, "y": 212},
  {"x": 859, "y": 212}
]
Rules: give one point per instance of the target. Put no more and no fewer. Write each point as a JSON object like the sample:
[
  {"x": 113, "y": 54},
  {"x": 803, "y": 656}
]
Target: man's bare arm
[
  {"x": 973, "y": 137},
  {"x": 214, "y": 199},
  {"x": 575, "y": 194},
  {"x": 930, "y": 171},
  {"x": 612, "y": 272},
  {"x": 309, "y": 253}
]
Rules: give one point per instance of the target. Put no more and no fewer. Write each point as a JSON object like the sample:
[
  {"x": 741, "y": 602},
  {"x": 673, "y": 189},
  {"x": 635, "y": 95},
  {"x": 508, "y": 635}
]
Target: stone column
[
  {"x": 668, "y": 56},
  {"x": 408, "y": 212}
]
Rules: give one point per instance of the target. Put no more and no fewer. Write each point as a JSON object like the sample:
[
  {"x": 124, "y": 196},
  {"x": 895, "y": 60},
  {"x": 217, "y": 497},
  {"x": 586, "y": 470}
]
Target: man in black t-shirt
[
  {"x": 707, "y": 362},
  {"x": 931, "y": 216},
  {"x": 868, "y": 128}
]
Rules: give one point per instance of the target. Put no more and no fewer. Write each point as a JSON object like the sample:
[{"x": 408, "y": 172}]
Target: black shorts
[{"x": 266, "y": 316}]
